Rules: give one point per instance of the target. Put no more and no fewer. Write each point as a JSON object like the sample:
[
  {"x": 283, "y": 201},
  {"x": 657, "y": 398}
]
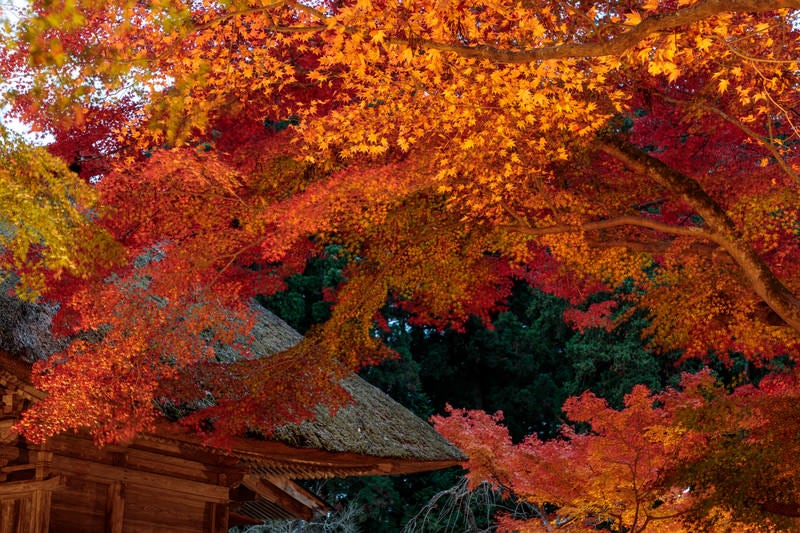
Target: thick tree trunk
[
  {"x": 717, "y": 224},
  {"x": 662, "y": 22}
]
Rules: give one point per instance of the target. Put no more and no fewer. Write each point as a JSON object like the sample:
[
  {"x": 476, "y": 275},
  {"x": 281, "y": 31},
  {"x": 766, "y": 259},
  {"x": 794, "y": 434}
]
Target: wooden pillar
[
  {"x": 115, "y": 507},
  {"x": 41, "y": 460},
  {"x": 40, "y": 511},
  {"x": 40, "y": 500},
  {"x": 24, "y": 520},
  {"x": 219, "y": 517}
]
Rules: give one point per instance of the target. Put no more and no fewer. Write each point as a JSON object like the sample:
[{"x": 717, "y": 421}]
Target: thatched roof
[
  {"x": 374, "y": 425},
  {"x": 25, "y": 329}
]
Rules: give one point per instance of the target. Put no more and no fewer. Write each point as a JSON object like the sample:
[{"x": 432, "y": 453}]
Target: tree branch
[
  {"x": 614, "y": 46},
  {"x": 687, "y": 231},
  {"x": 660, "y": 247},
  {"x": 720, "y": 228},
  {"x": 767, "y": 143},
  {"x": 782, "y": 509}
]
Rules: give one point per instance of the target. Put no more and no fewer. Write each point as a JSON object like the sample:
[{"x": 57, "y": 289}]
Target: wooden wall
[{"x": 72, "y": 487}]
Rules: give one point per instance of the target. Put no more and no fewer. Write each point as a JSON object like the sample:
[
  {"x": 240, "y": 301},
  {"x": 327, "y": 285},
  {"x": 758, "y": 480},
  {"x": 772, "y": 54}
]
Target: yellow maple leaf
[
  {"x": 650, "y": 5},
  {"x": 633, "y": 19},
  {"x": 671, "y": 70},
  {"x": 764, "y": 26},
  {"x": 378, "y": 36},
  {"x": 703, "y": 43}
]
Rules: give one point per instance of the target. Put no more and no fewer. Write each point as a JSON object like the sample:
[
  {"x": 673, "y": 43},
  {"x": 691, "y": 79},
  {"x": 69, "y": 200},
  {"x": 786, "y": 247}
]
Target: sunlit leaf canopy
[{"x": 451, "y": 146}]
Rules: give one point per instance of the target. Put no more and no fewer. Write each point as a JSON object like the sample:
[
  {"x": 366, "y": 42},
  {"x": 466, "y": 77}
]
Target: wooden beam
[
  {"x": 18, "y": 489},
  {"x": 115, "y": 507},
  {"x": 236, "y": 519},
  {"x": 275, "y": 494},
  {"x": 186, "y": 461},
  {"x": 297, "y": 492},
  {"x": 108, "y": 473},
  {"x": 24, "y": 514}
]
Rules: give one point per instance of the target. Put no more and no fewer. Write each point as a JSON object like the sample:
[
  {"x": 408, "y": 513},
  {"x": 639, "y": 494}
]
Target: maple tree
[
  {"x": 450, "y": 146},
  {"x": 46, "y": 221},
  {"x": 613, "y": 472},
  {"x": 433, "y": 67},
  {"x": 687, "y": 459}
]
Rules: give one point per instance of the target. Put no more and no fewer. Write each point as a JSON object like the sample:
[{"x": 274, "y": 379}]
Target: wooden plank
[
  {"x": 157, "y": 482},
  {"x": 89, "y": 496},
  {"x": 187, "y": 464},
  {"x": 80, "y": 507},
  {"x": 8, "y": 516},
  {"x": 115, "y": 507},
  {"x": 146, "y": 511},
  {"x": 24, "y": 516},
  {"x": 17, "y": 468},
  {"x": 81, "y": 447},
  {"x": 179, "y": 466}
]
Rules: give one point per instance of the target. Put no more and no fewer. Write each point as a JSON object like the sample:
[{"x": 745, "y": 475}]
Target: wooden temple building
[{"x": 169, "y": 482}]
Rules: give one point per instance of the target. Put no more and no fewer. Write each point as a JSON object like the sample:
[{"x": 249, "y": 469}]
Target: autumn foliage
[
  {"x": 613, "y": 475},
  {"x": 690, "y": 459},
  {"x": 452, "y": 147}
]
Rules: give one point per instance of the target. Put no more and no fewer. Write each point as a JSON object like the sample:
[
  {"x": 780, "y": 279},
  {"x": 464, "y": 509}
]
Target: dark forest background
[{"x": 525, "y": 364}]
